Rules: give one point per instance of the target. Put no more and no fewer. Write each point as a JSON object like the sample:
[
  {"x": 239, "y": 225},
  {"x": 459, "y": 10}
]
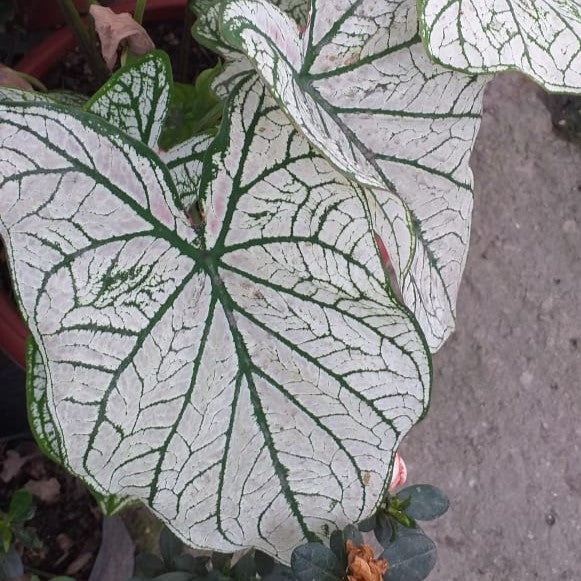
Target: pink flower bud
[{"x": 399, "y": 474}]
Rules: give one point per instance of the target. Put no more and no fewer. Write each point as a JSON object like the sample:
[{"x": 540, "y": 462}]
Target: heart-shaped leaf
[
  {"x": 136, "y": 98},
  {"x": 21, "y": 507},
  {"x": 136, "y": 101},
  {"x": 63, "y": 97},
  {"x": 360, "y": 87},
  {"x": 542, "y": 38},
  {"x": 173, "y": 363}
]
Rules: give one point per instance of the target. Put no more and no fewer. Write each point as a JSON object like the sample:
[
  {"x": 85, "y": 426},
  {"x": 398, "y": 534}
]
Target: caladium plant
[
  {"x": 542, "y": 38},
  {"x": 249, "y": 379},
  {"x": 213, "y": 329},
  {"x": 386, "y": 117}
]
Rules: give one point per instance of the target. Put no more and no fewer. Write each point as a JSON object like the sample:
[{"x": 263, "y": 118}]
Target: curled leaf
[
  {"x": 117, "y": 29},
  {"x": 10, "y": 78},
  {"x": 361, "y": 564}
]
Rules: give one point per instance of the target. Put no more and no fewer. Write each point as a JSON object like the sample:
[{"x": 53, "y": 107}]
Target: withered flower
[{"x": 361, "y": 566}]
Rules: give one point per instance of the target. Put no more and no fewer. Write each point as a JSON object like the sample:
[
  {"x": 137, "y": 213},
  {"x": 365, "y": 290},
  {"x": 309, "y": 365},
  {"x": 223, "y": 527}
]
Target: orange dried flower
[{"x": 361, "y": 566}]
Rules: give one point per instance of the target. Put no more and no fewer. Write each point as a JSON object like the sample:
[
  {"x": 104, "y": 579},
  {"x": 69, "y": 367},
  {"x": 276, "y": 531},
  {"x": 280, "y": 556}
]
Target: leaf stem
[
  {"x": 33, "y": 81},
  {"x": 83, "y": 38},
  {"x": 139, "y": 11},
  {"x": 39, "y": 572},
  {"x": 185, "y": 48}
]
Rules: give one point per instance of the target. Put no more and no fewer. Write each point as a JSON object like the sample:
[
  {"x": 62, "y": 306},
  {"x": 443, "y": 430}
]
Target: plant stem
[
  {"x": 139, "y": 11},
  {"x": 39, "y": 573},
  {"x": 185, "y": 48},
  {"x": 83, "y": 38},
  {"x": 33, "y": 81}
]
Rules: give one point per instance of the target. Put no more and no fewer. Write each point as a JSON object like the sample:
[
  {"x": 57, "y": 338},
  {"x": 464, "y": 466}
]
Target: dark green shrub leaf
[
  {"x": 339, "y": 538},
  {"x": 5, "y": 536},
  {"x": 427, "y": 501},
  {"x": 384, "y": 529},
  {"x": 27, "y": 538},
  {"x": 280, "y": 573},
  {"x": 194, "y": 108},
  {"x": 315, "y": 562},
  {"x": 264, "y": 563},
  {"x": 21, "y": 507},
  {"x": 368, "y": 524},
  {"x": 10, "y": 565},
  {"x": 174, "y": 576},
  {"x": 245, "y": 568},
  {"x": 217, "y": 576},
  {"x": 148, "y": 565},
  {"x": 169, "y": 546},
  {"x": 187, "y": 563},
  {"x": 411, "y": 556},
  {"x": 220, "y": 561}
]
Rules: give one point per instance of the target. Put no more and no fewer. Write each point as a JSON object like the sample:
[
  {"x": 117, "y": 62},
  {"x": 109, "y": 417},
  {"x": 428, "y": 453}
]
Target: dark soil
[
  {"x": 74, "y": 74},
  {"x": 67, "y": 519},
  {"x": 565, "y": 115}
]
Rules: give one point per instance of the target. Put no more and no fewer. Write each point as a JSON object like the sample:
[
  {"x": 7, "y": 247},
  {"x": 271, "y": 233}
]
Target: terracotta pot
[
  {"x": 43, "y": 57},
  {"x": 38, "y": 63}
]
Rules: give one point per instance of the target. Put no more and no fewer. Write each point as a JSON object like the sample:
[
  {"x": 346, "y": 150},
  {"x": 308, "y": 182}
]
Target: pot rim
[{"x": 42, "y": 57}]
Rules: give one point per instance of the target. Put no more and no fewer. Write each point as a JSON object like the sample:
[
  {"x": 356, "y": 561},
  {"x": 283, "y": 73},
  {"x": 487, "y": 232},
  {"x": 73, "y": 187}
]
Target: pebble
[{"x": 569, "y": 226}]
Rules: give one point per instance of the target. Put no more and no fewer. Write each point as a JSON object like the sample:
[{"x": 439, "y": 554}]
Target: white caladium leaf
[
  {"x": 44, "y": 428},
  {"x": 250, "y": 385},
  {"x": 542, "y": 38},
  {"x": 360, "y": 87},
  {"x": 206, "y": 31},
  {"x": 136, "y": 98},
  {"x": 64, "y": 97},
  {"x": 39, "y": 417},
  {"x": 184, "y": 161}
]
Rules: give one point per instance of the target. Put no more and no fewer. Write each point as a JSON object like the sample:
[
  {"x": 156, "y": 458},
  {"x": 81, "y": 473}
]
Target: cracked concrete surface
[{"x": 503, "y": 435}]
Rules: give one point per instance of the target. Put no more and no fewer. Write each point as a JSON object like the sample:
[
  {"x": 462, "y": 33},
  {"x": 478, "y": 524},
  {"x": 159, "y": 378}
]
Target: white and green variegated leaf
[
  {"x": 541, "y": 38},
  {"x": 69, "y": 98},
  {"x": 360, "y": 87},
  {"x": 185, "y": 161},
  {"x": 250, "y": 385},
  {"x": 136, "y": 98},
  {"x": 44, "y": 428},
  {"x": 206, "y": 30},
  {"x": 40, "y": 420},
  {"x": 64, "y": 97}
]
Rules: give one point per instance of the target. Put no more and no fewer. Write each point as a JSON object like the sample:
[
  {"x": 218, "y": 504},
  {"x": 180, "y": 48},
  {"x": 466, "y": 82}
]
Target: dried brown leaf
[
  {"x": 45, "y": 490},
  {"x": 12, "y": 464},
  {"x": 116, "y": 30},
  {"x": 79, "y": 563},
  {"x": 361, "y": 564}
]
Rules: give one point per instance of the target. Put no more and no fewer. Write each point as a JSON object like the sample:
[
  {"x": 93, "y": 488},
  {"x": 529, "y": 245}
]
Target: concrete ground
[{"x": 503, "y": 435}]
